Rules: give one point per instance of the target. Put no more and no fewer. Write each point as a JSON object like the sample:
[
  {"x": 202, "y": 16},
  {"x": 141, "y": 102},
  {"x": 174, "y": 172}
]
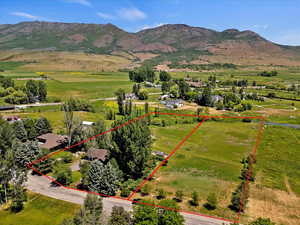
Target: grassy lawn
[
  {"x": 40, "y": 210},
  {"x": 278, "y": 158},
  {"x": 209, "y": 161}
]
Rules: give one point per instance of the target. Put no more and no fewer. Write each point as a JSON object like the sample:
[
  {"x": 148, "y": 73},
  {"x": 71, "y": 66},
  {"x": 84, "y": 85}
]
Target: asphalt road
[{"x": 42, "y": 185}]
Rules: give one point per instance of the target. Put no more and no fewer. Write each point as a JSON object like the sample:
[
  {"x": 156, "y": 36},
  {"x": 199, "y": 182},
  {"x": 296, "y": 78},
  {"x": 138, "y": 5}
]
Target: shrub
[
  {"x": 161, "y": 193},
  {"x": 125, "y": 192},
  {"x": 195, "y": 199},
  {"x": 211, "y": 203},
  {"x": 146, "y": 189},
  {"x": 179, "y": 196}
]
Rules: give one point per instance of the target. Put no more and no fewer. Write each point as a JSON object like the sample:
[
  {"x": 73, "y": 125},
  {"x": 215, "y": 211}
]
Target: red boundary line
[{"x": 205, "y": 117}]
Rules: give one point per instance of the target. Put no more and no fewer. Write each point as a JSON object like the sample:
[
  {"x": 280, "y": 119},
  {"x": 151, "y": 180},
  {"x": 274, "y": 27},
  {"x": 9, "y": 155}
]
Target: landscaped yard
[{"x": 40, "y": 210}]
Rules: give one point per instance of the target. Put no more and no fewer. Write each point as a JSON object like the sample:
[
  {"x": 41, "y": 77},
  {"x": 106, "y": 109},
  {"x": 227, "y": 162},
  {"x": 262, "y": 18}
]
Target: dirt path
[{"x": 288, "y": 187}]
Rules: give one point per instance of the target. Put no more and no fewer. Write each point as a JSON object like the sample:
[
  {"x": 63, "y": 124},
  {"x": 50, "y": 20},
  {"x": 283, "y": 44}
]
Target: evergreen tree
[
  {"x": 206, "y": 98},
  {"x": 120, "y": 99},
  {"x": 119, "y": 216},
  {"x": 31, "y": 88},
  {"x": 42, "y": 126},
  {"x": 18, "y": 198},
  {"x": 93, "y": 207},
  {"x": 20, "y": 131},
  {"x": 102, "y": 140},
  {"x": 131, "y": 147},
  {"x": 165, "y": 87},
  {"x": 164, "y": 76},
  {"x": 103, "y": 178},
  {"x": 25, "y": 153},
  {"x": 170, "y": 217}
]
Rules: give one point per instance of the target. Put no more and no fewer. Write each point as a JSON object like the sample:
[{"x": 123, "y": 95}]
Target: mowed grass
[
  {"x": 278, "y": 159},
  {"x": 39, "y": 210}
]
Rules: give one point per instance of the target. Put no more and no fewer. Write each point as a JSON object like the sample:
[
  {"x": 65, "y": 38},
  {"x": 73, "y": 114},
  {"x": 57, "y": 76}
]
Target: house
[
  {"x": 130, "y": 96},
  {"x": 87, "y": 123},
  {"x": 216, "y": 98},
  {"x": 172, "y": 104},
  {"x": 11, "y": 119},
  {"x": 164, "y": 97},
  {"x": 160, "y": 154},
  {"x": 195, "y": 84},
  {"x": 100, "y": 154},
  {"x": 52, "y": 141}
]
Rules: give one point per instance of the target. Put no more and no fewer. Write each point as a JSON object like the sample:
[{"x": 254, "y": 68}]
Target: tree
[
  {"x": 44, "y": 166},
  {"x": 18, "y": 198},
  {"x": 120, "y": 99},
  {"x": 93, "y": 207},
  {"x": 119, "y": 216},
  {"x": 103, "y": 178},
  {"x": 20, "y": 131},
  {"x": 68, "y": 120},
  {"x": 25, "y": 153},
  {"x": 143, "y": 94},
  {"x": 206, "y": 97},
  {"x": 262, "y": 221},
  {"x": 42, "y": 90},
  {"x": 240, "y": 197},
  {"x": 145, "y": 214},
  {"x": 7, "y": 82},
  {"x": 29, "y": 125},
  {"x": 195, "y": 199},
  {"x": 136, "y": 89},
  {"x": 102, "y": 140},
  {"x": 179, "y": 195},
  {"x": 43, "y": 126},
  {"x": 184, "y": 88},
  {"x": 131, "y": 147},
  {"x": 170, "y": 217},
  {"x": 62, "y": 174},
  {"x": 211, "y": 203},
  {"x": 165, "y": 87},
  {"x": 164, "y": 76},
  {"x": 31, "y": 89}
]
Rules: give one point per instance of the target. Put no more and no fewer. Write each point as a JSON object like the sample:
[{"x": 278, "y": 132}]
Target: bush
[
  {"x": 195, "y": 199},
  {"x": 146, "y": 189},
  {"x": 125, "y": 192},
  {"x": 161, "y": 193},
  {"x": 179, "y": 196},
  {"x": 211, "y": 203},
  {"x": 67, "y": 157}
]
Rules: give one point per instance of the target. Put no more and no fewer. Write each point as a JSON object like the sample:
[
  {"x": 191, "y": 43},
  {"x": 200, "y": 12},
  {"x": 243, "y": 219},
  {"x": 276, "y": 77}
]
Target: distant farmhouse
[
  {"x": 52, "y": 141},
  {"x": 172, "y": 103}
]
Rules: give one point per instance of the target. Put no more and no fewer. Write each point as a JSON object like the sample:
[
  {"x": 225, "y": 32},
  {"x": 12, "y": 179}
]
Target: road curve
[{"x": 42, "y": 185}]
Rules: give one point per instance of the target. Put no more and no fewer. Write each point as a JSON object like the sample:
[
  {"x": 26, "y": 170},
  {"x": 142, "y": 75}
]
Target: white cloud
[
  {"x": 131, "y": 14},
  {"x": 81, "y": 2},
  {"x": 146, "y": 26},
  {"x": 105, "y": 15},
  {"x": 25, "y": 15},
  {"x": 258, "y": 26}
]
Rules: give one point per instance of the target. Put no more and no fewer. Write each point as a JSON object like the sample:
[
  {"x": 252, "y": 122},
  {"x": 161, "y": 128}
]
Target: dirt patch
[{"x": 279, "y": 206}]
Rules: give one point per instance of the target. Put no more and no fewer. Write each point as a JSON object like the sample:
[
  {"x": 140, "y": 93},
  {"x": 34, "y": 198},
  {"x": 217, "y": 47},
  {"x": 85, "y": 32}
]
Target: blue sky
[{"x": 276, "y": 20}]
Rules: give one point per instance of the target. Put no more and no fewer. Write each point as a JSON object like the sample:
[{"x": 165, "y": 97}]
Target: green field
[{"x": 40, "y": 210}]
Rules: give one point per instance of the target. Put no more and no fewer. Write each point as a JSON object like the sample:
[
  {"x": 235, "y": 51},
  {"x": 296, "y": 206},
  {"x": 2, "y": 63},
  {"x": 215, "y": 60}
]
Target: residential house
[
  {"x": 172, "y": 103},
  {"x": 99, "y": 154},
  {"x": 52, "y": 141}
]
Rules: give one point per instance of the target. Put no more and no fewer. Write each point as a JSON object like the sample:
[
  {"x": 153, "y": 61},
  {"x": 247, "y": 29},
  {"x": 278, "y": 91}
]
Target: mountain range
[{"x": 163, "y": 43}]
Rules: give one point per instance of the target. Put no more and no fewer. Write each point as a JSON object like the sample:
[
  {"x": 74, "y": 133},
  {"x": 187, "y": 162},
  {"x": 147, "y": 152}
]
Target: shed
[
  {"x": 52, "y": 141},
  {"x": 100, "y": 154}
]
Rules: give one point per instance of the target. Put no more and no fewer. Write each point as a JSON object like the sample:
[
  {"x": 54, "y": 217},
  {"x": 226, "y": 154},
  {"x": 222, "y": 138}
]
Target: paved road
[
  {"x": 59, "y": 103},
  {"x": 42, "y": 185}
]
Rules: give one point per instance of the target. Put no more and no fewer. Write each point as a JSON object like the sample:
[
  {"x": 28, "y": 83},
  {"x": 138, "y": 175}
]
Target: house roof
[
  {"x": 100, "y": 154},
  {"x": 160, "y": 153},
  {"x": 51, "y": 140}
]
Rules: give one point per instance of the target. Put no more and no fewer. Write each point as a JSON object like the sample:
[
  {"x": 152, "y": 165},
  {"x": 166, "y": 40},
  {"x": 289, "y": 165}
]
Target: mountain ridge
[{"x": 232, "y": 44}]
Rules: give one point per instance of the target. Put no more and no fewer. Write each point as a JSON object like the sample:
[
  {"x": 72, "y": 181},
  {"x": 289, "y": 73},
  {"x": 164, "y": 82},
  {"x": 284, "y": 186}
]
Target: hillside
[{"x": 164, "y": 44}]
